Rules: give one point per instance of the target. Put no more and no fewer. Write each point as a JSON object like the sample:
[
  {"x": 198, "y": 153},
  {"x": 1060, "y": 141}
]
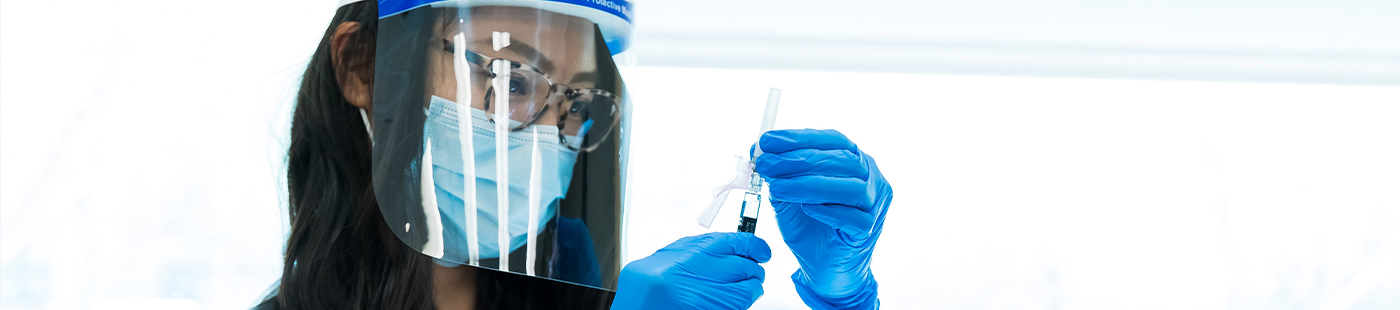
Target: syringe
[
  {"x": 753, "y": 186},
  {"x": 753, "y": 197}
]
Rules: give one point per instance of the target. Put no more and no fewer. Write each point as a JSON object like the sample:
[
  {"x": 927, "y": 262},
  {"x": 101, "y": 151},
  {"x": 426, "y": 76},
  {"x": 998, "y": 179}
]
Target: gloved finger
[
  {"x": 754, "y": 288},
  {"x": 852, "y": 223},
  {"x": 731, "y": 269},
  {"x": 802, "y": 162},
  {"x": 736, "y": 296},
  {"x": 733, "y": 243},
  {"x": 822, "y": 190},
  {"x": 778, "y": 141}
]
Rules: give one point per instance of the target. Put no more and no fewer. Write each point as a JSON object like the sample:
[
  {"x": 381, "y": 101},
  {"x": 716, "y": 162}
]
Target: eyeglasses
[{"x": 585, "y": 113}]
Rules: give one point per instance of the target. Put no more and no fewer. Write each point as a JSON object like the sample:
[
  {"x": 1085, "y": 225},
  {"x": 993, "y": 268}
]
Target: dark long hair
[{"x": 340, "y": 253}]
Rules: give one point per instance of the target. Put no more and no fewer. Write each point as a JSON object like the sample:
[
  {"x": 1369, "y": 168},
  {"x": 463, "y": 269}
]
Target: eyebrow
[
  {"x": 527, "y": 51},
  {"x": 586, "y": 76}
]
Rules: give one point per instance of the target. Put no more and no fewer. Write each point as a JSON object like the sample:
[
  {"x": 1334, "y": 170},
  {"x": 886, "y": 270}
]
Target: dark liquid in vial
[{"x": 748, "y": 224}]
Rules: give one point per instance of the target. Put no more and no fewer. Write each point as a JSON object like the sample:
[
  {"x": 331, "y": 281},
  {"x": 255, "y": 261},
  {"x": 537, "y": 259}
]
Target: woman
[
  {"x": 340, "y": 253},
  {"x": 469, "y": 154}
]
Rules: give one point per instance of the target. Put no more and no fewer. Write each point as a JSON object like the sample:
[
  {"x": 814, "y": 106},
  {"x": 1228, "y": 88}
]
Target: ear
[{"x": 352, "y": 71}]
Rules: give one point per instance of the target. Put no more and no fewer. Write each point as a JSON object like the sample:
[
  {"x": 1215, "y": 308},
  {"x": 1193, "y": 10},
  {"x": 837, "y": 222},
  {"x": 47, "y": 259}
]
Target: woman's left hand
[{"x": 831, "y": 201}]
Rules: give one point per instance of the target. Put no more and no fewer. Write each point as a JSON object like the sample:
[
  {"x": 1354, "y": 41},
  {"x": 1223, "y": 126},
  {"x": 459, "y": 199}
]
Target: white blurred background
[{"x": 1228, "y": 154}]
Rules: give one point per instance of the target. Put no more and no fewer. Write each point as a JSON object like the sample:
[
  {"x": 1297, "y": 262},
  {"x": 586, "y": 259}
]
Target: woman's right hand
[{"x": 709, "y": 271}]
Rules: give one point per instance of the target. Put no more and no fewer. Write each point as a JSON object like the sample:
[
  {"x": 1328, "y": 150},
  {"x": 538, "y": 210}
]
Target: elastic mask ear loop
[{"x": 365, "y": 117}]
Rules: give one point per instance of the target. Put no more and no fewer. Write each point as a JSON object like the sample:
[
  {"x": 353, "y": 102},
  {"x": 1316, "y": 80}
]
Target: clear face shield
[{"x": 500, "y": 137}]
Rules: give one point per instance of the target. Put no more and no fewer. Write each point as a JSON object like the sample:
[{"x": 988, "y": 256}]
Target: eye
[
  {"x": 578, "y": 107},
  {"x": 517, "y": 84}
]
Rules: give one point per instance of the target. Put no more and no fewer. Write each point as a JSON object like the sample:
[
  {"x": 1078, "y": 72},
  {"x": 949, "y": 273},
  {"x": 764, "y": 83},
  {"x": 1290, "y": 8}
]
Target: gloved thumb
[{"x": 854, "y": 224}]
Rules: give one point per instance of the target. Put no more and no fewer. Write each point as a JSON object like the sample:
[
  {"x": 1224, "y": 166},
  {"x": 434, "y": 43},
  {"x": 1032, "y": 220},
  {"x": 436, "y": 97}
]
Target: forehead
[{"x": 535, "y": 35}]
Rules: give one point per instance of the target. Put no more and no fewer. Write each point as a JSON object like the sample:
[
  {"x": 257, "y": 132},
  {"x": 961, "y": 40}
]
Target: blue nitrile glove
[
  {"x": 709, "y": 271},
  {"x": 830, "y": 201}
]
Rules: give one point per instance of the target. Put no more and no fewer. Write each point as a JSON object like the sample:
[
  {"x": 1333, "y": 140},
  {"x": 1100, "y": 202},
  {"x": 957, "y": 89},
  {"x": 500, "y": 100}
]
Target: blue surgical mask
[{"x": 552, "y": 172}]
